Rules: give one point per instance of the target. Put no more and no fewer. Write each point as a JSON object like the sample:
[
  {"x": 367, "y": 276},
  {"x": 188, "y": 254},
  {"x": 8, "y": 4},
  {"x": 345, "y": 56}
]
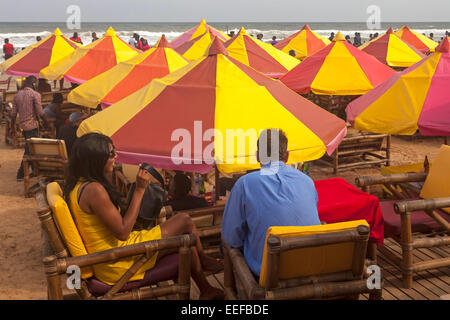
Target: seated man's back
[{"x": 282, "y": 196}]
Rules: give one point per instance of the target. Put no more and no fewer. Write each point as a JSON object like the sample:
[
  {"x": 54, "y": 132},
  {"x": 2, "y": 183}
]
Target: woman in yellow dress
[{"x": 95, "y": 205}]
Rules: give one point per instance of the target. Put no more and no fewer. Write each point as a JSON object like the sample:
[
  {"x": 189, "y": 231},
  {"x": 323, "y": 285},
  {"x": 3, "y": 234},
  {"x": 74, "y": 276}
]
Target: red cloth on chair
[{"x": 339, "y": 201}]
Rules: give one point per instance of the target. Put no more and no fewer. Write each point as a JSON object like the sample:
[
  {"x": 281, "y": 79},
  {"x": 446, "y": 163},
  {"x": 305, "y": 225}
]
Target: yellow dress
[{"x": 97, "y": 237}]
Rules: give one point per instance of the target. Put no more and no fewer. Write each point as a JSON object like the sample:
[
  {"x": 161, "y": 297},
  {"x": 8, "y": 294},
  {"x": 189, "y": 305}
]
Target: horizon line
[{"x": 196, "y": 21}]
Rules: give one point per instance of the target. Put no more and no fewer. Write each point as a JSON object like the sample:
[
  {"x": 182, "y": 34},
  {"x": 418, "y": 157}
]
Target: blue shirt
[{"x": 277, "y": 195}]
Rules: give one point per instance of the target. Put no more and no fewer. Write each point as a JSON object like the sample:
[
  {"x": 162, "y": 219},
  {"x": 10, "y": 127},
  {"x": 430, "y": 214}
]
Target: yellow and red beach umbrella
[
  {"x": 91, "y": 60},
  {"x": 417, "y": 98},
  {"x": 197, "y": 31},
  {"x": 260, "y": 55},
  {"x": 196, "y": 48},
  {"x": 211, "y": 112},
  {"x": 392, "y": 51},
  {"x": 337, "y": 69},
  {"x": 419, "y": 41},
  {"x": 304, "y": 42},
  {"x": 37, "y": 56},
  {"x": 127, "y": 77}
]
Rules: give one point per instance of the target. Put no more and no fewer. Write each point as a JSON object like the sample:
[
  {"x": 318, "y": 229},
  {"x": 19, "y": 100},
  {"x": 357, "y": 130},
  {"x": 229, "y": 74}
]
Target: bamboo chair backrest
[
  {"x": 437, "y": 183},
  {"x": 66, "y": 225},
  {"x": 314, "y": 260},
  {"x": 52, "y": 152}
]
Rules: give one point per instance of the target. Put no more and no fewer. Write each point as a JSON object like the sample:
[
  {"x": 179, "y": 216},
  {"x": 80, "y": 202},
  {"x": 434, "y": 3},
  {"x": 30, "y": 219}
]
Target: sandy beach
[{"x": 21, "y": 269}]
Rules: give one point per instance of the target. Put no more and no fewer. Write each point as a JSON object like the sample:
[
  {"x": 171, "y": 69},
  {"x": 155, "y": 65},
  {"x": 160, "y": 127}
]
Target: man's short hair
[
  {"x": 30, "y": 80},
  {"x": 265, "y": 144},
  {"x": 6, "y": 40}
]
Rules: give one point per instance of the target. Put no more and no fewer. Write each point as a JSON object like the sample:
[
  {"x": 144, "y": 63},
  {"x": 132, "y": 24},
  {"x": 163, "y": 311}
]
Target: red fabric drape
[{"x": 339, "y": 201}]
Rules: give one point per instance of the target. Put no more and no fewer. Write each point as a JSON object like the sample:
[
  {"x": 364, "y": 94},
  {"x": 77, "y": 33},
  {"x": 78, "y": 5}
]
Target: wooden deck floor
[{"x": 427, "y": 285}]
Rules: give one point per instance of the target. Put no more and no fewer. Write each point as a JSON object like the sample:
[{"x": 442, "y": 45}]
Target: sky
[{"x": 225, "y": 11}]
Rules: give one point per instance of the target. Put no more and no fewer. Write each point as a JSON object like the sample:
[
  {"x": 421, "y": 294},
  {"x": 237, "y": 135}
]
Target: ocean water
[{"x": 24, "y": 34}]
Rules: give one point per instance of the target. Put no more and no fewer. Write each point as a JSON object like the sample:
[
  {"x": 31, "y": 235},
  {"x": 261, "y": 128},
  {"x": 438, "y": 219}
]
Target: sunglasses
[{"x": 112, "y": 153}]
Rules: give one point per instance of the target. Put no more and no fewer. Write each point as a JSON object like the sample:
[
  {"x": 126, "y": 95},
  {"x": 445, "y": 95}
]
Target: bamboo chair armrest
[
  {"x": 241, "y": 270},
  {"x": 203, "y": 211},
  {"x": 422, "y": 204},
  {"x": 111, "y": 255},
  {"x": 391, "y": 178}
]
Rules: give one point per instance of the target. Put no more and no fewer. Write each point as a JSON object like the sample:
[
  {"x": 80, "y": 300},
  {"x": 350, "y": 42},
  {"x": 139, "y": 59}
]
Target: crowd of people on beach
[{"x": 142, "y": 43}]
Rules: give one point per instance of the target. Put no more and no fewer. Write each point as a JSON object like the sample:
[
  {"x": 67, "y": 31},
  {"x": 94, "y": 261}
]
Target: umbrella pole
[
  {"x": 216, "y": 181},
  {"x": 446, "y": 140}
]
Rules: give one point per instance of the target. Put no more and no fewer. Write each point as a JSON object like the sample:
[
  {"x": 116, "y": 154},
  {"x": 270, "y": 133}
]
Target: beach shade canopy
[
  {"x": 196, "y": 48},
  {"x": 260, "y": 55},
  {"x": 392, "y": 51},
  {"x": 337, "y": 69},
  {"x": 91, "y": 60},
  {"x": 211, "y": 112},
  {"x": 419, "y": 41},
  {"x": 34, "y": 58},
  {"x": 304, "y": 42},
  {"x": 197, "y": 31},
  {"x": 127, "y": 77},
  {"x": 417, "y": 98}
]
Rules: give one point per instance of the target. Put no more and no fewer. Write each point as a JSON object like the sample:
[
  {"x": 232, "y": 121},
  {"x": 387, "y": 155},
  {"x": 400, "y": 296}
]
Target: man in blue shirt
[{"x": 276, "y": 195}]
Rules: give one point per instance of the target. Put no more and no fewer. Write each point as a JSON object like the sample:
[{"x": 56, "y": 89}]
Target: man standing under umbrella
[{"x": 27, "y": 103}]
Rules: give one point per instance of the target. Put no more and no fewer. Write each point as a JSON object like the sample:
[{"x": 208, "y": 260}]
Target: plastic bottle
[
  {"x": 196, "y": 187},
  {"x": 202, "y": 189},
  {"x": 306, "y": 168}
]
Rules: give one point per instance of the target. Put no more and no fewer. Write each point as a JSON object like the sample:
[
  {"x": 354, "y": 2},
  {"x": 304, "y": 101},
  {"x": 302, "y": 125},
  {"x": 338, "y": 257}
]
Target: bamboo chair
[
  {"x": 360, "y": 150},
  {"x": 418, "y": 217},
  {"x": 48, "y": 158},
  {"x": 317, "y": 262},
  {"x": 15, "y": 139},
  {"x": 63, "y": 248},
  {"x": 209, "y": 225}
]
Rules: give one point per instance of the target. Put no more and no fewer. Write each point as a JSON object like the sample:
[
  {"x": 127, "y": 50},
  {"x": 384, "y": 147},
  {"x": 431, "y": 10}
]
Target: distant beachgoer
[
  {"x": 38, "y": 38},
  {"x": 231, "y": 34},
  {"x": 357, "y": 39},
  {"x": 375, "y": 35},
  {"x": 370, "y": 37},
  {"x": 292, "y": 53},
  {"x": 8, "y": 49},
  {"x": 331, "y": 36},
  {"x": 53, "y": 111},
  {"x": 180, "y": 188},
  {"x": 94, "y": 36},
  {"x": 274, "y": 40},
  {"x": 27, "y": 104},
  {"x": 347, "y": 37},
  {"x": 76, "y": 38},
  {"x": 43, "y": 86},
  {"x": 431, "y": 36},
  {"x": 134, "y": 40},
  {"x": 259, "y": 36},
  {"x": 145, "y": 45},
  {"x": 139, "y": 44},
  {"x": 68, "y": 132}
]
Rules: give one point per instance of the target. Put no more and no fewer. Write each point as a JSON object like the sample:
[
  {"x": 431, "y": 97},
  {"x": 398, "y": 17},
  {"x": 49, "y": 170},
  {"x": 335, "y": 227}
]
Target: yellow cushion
[
  {"x": 437, "y": 184},
  {"x": 66, "y": 225},
  {"x": 315, "y": 260}
]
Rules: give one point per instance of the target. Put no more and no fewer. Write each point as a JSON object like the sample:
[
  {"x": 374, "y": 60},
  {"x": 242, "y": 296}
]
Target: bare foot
[
  {"x": 210, "y": 264},
  {"x": 212, "y": 294}
]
